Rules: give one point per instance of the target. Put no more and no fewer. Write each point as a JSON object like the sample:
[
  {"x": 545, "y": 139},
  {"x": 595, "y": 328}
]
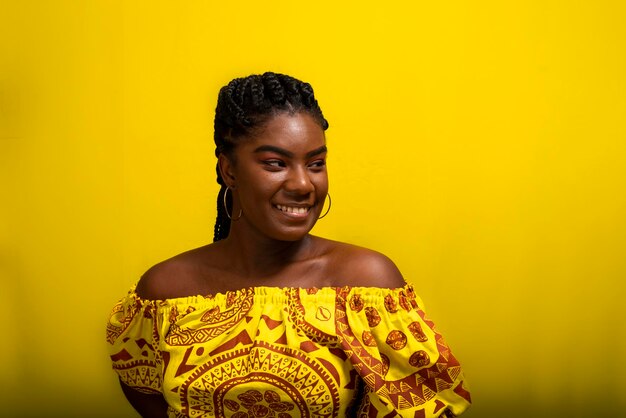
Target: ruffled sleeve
[
  {"x": 132, "y": 336},
  {"x": 406, "y": 366}
]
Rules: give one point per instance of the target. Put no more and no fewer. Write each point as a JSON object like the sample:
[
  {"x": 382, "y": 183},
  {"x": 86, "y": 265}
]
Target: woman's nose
[{"x": 299, "y": 181}]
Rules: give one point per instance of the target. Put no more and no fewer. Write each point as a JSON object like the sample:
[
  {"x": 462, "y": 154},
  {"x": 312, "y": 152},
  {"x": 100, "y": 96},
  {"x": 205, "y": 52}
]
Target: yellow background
[{"x": 481, "y": 145}]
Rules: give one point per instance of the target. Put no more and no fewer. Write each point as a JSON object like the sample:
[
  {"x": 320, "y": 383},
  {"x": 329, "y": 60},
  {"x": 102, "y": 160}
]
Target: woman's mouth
[{"x": 293, "y": 210}]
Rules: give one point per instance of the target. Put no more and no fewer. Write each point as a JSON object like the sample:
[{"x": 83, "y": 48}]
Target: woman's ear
[{"x": 226, "y": 170}]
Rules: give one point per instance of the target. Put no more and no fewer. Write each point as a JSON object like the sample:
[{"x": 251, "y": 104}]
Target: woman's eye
[
  {"x": 318, "y": 163},
  {"x": 274, "y": 163}
]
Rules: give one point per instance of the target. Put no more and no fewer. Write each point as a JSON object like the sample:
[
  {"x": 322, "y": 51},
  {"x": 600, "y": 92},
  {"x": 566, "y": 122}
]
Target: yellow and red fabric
[{"x": 288, "y": 352}]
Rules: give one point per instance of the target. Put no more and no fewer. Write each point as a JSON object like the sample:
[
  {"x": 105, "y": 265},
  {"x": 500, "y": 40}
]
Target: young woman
[{"x": 268, "y": 320}]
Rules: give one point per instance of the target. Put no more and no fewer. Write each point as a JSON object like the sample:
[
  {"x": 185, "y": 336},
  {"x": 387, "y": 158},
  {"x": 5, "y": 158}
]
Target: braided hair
[{"x": 244, "y": 105}]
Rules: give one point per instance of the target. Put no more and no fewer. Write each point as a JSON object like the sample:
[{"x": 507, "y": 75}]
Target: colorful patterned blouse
[{"x": 288, "y": 352}]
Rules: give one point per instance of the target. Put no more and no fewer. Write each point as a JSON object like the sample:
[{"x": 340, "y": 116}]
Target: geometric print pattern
[{"x": 288, "y": 352}]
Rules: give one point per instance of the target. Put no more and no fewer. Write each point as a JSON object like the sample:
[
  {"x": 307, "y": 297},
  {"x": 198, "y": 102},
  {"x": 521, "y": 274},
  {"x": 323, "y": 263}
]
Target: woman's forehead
[{"x": 298, "y": 132}]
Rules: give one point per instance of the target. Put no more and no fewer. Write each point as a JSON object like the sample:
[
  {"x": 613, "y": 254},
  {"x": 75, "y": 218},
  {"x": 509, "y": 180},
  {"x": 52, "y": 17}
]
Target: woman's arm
[{"x": 148, "y": 406}]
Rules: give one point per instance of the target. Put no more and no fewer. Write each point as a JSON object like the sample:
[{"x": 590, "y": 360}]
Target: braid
[{"x": 244, "y": 105}]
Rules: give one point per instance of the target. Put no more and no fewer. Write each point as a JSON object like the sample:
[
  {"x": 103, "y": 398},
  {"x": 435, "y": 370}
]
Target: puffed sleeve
[
  {"x": 132, "y": 336},
  {"x": 407, "y": 368}
]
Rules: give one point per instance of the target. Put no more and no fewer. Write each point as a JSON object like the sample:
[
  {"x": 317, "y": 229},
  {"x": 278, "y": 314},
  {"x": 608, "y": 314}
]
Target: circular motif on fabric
[
  {"x": 368, "y": 339},
  {"x": 296, "y": 312},
  {"x": 386, "y": 363},
  {"x": 260, "y": 381},
  {"x": 253, "y": 403},
  {"x": 373, "y": 317},
  {"x": 356, "y": 303},
  {"x": 404, "y": 302},
  {"x": 396, "y": 339},
  {"x": 416, "y": 331},
  {"x": 390, "y": 304},
  {"x": 323, "y": 314},
  {"x": 419, "y": 359}
]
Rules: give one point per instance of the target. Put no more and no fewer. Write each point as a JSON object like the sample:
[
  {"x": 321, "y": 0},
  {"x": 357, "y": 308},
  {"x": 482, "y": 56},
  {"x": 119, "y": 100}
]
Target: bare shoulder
[
  {"x": 361, "y": 266},
  {"x": 159, "y": 281},
  {"x": 174, "y": 277}
]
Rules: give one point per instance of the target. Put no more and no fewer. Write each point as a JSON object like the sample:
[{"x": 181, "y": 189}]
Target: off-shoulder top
[{"x": 288, "y": 352}]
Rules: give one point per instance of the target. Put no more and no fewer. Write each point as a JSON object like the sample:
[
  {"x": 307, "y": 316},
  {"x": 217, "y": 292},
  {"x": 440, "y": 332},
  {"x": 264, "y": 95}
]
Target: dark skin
[{"x": 279, "y": 182}]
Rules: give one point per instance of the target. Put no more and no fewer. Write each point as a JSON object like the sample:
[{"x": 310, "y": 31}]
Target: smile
[{"x": 296, "y": 210}]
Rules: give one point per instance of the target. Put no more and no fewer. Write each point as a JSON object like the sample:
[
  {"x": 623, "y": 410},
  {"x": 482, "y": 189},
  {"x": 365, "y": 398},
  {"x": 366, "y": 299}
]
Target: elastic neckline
[{"x": 278, "y": 293}]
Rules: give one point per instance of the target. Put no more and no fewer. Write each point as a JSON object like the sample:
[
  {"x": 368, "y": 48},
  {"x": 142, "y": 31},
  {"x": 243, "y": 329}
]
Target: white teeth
[{"x": 290, "y": 209}]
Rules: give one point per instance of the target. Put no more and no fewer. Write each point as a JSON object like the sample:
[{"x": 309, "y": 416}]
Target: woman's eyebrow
[
  {"x": 317, "y": 151},
  {"x": 289, "y": 154},
  {"x": 271, "y": 148}
]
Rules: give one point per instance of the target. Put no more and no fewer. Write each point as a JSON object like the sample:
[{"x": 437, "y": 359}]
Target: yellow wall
[{"x": 481, "y": 145}]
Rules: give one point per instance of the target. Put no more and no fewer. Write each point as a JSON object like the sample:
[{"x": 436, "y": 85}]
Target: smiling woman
[
  {"x": 278, "y": 178},
  {"x": 268, "y": 320}
]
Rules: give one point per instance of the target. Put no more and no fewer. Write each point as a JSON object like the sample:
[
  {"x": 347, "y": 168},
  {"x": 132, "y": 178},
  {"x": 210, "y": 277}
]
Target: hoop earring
[
  {"x": 330, "y": 203},
  {"x": 226, "y": 207}
]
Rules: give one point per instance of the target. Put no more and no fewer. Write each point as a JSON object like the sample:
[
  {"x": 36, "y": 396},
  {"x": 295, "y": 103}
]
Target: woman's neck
[{"x": 263, "y": 257}]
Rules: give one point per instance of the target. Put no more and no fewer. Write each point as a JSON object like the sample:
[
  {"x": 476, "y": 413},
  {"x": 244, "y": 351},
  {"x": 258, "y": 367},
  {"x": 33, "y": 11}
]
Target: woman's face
[{"x": 279, "y": 177}]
